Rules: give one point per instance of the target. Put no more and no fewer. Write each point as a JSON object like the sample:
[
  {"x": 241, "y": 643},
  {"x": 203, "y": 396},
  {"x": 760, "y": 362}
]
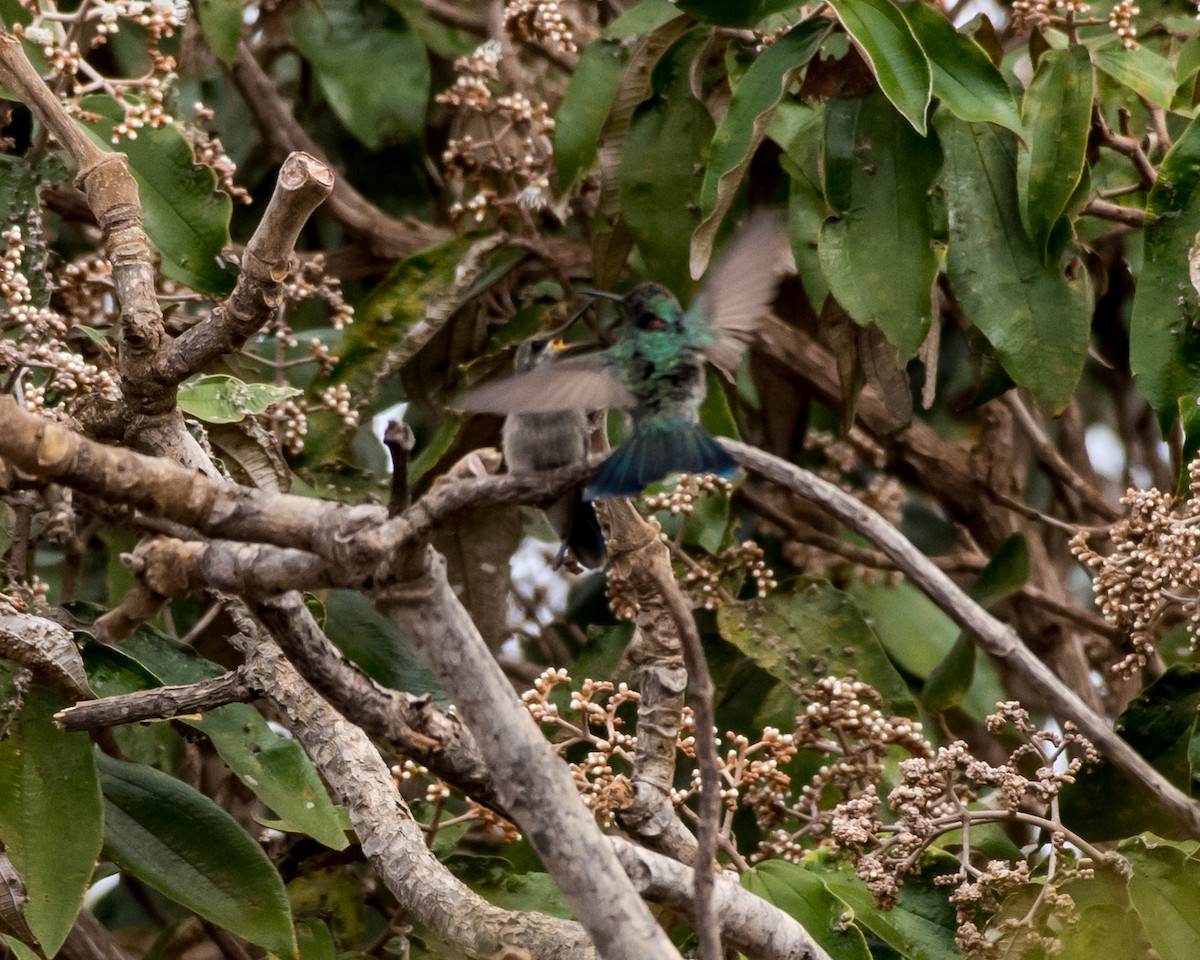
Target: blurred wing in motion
[
  {"x": 738, "y": 291},
  {"x": 582, "y": 383}
]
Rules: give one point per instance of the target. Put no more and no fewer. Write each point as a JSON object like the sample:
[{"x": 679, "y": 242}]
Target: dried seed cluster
[{"x": 1149, "y": 580}]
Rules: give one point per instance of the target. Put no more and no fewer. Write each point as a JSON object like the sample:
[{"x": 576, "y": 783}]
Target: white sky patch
[{"x": 1105, "y": 450}]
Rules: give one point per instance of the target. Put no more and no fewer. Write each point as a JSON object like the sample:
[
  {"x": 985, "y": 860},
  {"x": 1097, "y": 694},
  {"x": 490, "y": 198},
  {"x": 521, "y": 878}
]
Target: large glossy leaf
[
  {"x": 921, "y": 926},
  {"x": 51, "y": 819},
  {"x": 744, "y": 126},
  {"x": 877, "y": 249},
  {"x": 811, "y": 630},
  {"x": 219, "y": 398},
  {"x": 176, "y": 840},
  {"x": 1164, "y": 334},
  {"x": 796, "y": 128},
  {"x": 964, "y": 78},
  {"x": 1057, "y": 116},
  {"x": 663, "y": 164},
  {"x": 1037, "y": 319},
  {"x": 371, "y": 66},
  {"x": 802, "y": 895},
  {"x": 270, "y": 764},
  {"x": 186, "y": 216},
  {"x": 1143, "y": 71},
  {"x": 896, "y": 58},
  {"x": 1165, "y": 892},
  {"x": 593, "y": 86}
]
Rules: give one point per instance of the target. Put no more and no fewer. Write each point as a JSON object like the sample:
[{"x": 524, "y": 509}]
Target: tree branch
[
  {"x": 998, "y": 640},
  {"x": 158, "y": 703}
]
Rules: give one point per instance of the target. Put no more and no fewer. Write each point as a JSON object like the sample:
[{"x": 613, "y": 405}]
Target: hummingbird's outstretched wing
[
  {"x": 738, "y": 291},
  {"x": 580, "y": 383}
]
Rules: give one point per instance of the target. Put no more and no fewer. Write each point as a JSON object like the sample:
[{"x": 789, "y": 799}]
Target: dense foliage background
[{"x": 991, "y": 335}]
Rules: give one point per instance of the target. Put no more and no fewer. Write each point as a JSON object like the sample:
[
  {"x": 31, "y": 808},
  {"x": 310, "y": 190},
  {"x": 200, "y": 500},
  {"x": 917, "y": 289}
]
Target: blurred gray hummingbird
[
  {"x": 548, "y": 440},
  {"x": 656, "y": 368}
]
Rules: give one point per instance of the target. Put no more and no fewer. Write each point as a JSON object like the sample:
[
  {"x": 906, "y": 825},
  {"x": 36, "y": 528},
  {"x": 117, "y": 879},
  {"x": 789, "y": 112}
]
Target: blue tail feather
[
  {"x": 652, "y": 451},
  {"x": 584, "y": 537}
]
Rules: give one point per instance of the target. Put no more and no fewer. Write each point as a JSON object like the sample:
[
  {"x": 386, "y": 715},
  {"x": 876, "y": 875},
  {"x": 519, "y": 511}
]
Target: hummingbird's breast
[{"x": 666, "y": 380}]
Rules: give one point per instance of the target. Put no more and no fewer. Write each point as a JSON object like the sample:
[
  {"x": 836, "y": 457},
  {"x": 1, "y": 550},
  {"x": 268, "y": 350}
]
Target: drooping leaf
[
  {"x": 593, "y": 86},
  {"x": 744, "y": 126},
  {"x": 1006, "y": 573},
  {"x": 1164, "y": 333},
  {"x": 802, "y": 895},
  {"x": 964, "y": 78},
  {"x": 51, "y": 819},
  {"x": 13, "y": 925},
  {"x": 1057, "y": 116},
  {"x": 219, "y": 398},
  {"x": 45, "y": 647},
  {"x": 663, "y": 163},
  {"x": 371, "y": 66},
  {"x": 896, "y": 58},
  {"x": 812, "y": 630},
  {"x": 176, "y": 840},
  {"x": 1139, "y": 68},
  {"x": 270, "y": 764},
  {"x": 186, "y": 216},
  {"x": 1037, "y": 319},
  {"x": 221, "y": 21},
  {"x": 876, "y": 250},
  {"x": 1165, "y": 891}
]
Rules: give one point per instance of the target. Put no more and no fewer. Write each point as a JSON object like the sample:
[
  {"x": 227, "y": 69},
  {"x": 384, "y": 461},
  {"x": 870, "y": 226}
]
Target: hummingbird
[
  {"x": 656, "y": 369},
  {"x": 548, "y": 440}
]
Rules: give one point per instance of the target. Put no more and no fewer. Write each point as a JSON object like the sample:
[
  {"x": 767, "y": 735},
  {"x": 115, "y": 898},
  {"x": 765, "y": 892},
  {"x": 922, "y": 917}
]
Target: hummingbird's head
[
  {"x": 536, "y": 350},
  {"x": 651, "y": 306}
]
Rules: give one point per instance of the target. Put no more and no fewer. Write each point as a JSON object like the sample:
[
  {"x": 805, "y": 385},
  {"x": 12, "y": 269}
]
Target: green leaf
[
  {"x": 1103, "y": 803},
  {"x": 812, "y": 630},
  {"x": 219, "y": 398},
  {"x": 185, "y": 215},
  {"x": 1057, "y": 115},
  {"x": 795, "y": 127},
  {"x": 593, "y": 88},
  {"x": 964, "y": 78},
  {"x": 743, "y": 13},
  {"x": 371, "y": 67},
  {"x": 1164, "y": 333},
  {"x": 51, "y": 820},
  {"x": 273, "y": 766},
  {"x": 1165, "y": 891},
  {"x": 744, "y": 126},
  {"x": 1143, "y": 71},
  {"x": 801, "y": 894},
  {"x": 1037, "y": 320},
  {"x": 896, "y": 58},
  {"x": 877, "y": 250},
  {"x": 663, "y": 163},
  {"x": 315, "y": 941},
  {"x": 921, "y": 926},
  {"x": 176, "y": 840},
  {"x": 221, "y": 21},
  {"x": 376, "y": 645},
  {"x": 1003, "y": 576}
]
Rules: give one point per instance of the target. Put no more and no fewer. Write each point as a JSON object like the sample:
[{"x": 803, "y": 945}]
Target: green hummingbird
[{"x": 656, "y": 368}]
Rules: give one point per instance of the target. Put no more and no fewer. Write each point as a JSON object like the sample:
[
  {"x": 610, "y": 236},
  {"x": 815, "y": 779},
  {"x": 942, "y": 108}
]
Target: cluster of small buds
[
  {"x": 338, "y": 399},
  {"x": 1120, "y": 18},
  {"x": 499, "y": 160},
  {"x": 705, "y": 576},
  {"x": 84, "y": 291},
  {"x": 210, "y": 152},
  {"x": 325, "y": 359},
  {"x": 148, "y": 112},
  {"x": 681, "y": 499},
  {"x": 1150, "y": 579},
  {"x": 539, "y": 21},
  {"x": 291, "y": 424},
  {"x": 403, "y": 772},
  {"x": 309, "y": 281},
  {"x": 622, "y": 595}
]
